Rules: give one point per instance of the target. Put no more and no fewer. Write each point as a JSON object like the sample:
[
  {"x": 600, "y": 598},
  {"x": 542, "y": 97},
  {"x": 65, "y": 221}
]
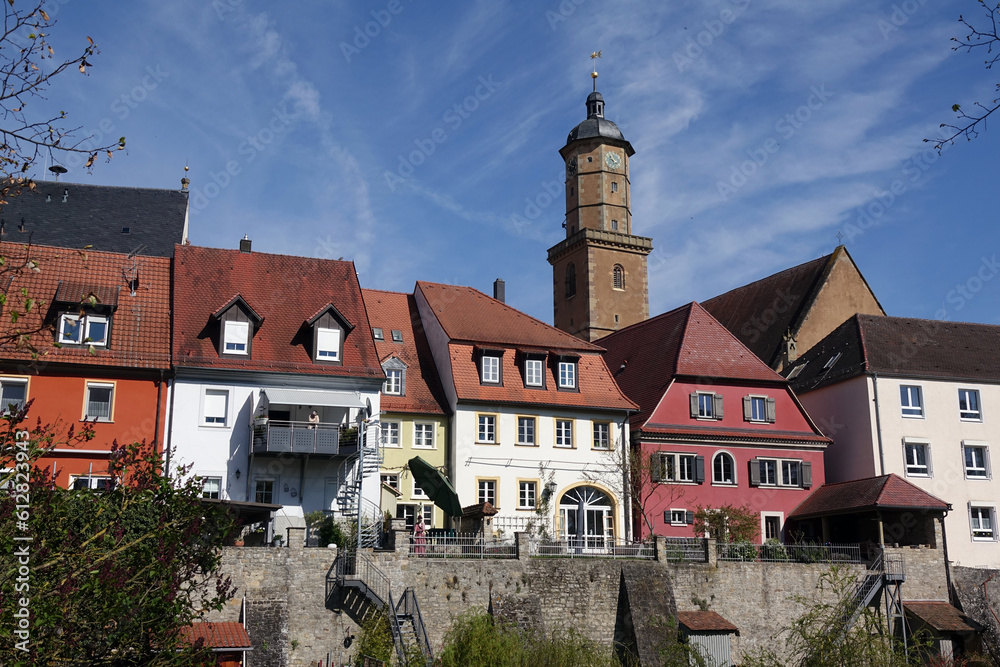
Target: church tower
[{"x": 599, "y": 275}]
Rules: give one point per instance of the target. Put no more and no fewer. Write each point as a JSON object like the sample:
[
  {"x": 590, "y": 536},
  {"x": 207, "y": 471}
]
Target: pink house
[{"x": 716, "y": 424}]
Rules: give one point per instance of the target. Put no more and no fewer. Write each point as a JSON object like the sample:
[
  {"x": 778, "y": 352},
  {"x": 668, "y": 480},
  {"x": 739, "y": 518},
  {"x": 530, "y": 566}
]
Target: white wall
[{"x": 846, "y": 413}]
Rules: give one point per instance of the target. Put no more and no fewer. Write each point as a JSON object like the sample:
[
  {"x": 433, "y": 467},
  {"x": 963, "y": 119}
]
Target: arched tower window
[
  {"x": 570, "y": 280},
  {"x": 618, "y": 277}
]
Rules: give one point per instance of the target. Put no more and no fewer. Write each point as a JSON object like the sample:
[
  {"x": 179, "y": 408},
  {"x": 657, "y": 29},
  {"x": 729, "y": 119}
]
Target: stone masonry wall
[{"x": 969, "y": 584}]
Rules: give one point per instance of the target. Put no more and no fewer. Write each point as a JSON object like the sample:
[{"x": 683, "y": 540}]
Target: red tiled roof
[
  {"x": 140, "y": 325},
  {"x": 686, "y": 341},
  {"x": 284, "y": 290},
  {"x": 865, "y": 495},
  {"x": 704, "y": 621},
  {"x": 396, "y": 311},
  {"x": 466, "y": 314},
  {"x": 941, "y": 616},
  {"x": 226, "y": 635}
]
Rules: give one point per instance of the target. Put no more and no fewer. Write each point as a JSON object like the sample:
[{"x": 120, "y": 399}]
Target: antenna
[{"x": 131, "y": 273}]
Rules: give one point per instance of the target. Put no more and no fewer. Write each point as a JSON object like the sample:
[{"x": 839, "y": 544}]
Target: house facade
[
  {"x": 99, "y": 352},
  {"x": 413, "y": 420},
  {"x": 914, "y": 398},
  {"x": 276, "y": 378},
  {"x": 715, "y": 427},
  {"x": 537, "y": 419}
]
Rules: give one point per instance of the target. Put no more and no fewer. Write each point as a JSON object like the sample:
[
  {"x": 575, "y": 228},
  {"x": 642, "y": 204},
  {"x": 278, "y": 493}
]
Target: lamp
[{"x": 237, "y": 473}]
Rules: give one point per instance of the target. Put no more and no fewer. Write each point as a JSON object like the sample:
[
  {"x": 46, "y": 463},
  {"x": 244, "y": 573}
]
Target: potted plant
[{"x": 278, "y": 541}]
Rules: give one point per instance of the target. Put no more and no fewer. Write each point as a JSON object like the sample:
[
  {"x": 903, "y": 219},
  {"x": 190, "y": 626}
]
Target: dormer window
[
  {"x": 236, "y": 337},
  {"x": 397, "y": 336},
  {"x": 77, "y": 329},
  {"x": 534, "y": 373},
  {"x": 567, "y": 374},
  {"x": 327, "y": 344},
  {"x": 490, "y": 370},
  {"x": 237, "y": 324},
  {"x": 86, "y": 311},
  {"x": 329, "y": 329},
  {"x": 395, "y": 377},
  {"x": 377, "y": 334}
]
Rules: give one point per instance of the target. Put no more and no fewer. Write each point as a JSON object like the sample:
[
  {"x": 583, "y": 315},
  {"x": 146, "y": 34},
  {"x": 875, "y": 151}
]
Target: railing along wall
[{"x": 788, "y": 553}]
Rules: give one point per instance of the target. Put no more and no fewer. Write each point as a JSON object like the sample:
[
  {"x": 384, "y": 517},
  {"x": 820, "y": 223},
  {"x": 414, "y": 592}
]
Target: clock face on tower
[{"x": 613, "y": 160}]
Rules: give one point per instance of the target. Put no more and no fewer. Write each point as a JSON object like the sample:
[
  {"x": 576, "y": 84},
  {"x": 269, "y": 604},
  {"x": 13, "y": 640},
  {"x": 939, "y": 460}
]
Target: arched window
[
  {"x": 722, "y": 469},
  {"x": 570, "y": 280},
  {"x": 618, "y": 277}
]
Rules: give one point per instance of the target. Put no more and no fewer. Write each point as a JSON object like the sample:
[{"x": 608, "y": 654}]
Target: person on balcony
[
  {"x": 418, "y": 536},
  {"x": 313, "y": 419}
]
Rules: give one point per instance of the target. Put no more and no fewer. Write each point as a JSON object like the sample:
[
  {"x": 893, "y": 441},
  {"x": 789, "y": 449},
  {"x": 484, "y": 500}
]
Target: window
[
  {"x": 423, "y": 435},
  {"x": 723, "y": 468},
  {"x": 790, "y": 473},
  {"x": 237, "y": 335},
  {"x": 976, "y": 466},
  {"x": 407, "y": 513},
  {"x": 772, "y": 527},
  {"x": 567, "y": 375},
  {"x": 264, "y": 491},
  {"x": 779, "y": 472},
  {"x": 795, "y": 371},
  {"x": 397, "y": 336},
  {"x": 99, "y": 397},
  {"x": 487, "y": 429},
  {"x": 917, "y": 459},
  {"x": 564, "y": 433},
  {"x": 680, "y": 468},
  {"x": 533, "y": 372},
  {"x": 328, "y": 344},
  {"x": 602, "y": 435},
  {"x": 97, "y": 483},
  {"x": 97, "y": 330},
  {"x": 527, "y": 493},
  {"x": 427, "y": 511},
  {"x": 390, "y": 434},
  {"x": 982, "y": 522},
  {"x": 570, "y": 280},
  {"x": 526, "y": 430},
  {"x": 13, "y": 393},
  {"x": 614, "y": 186},
  {"x": 614, "y": 225},
  {"x": 678, "y": 517},
  {"x": 618, "y": 277},
  {"x": 968, "y": 405},
  {"x": 490, "y": 370},
  {"x": 211, "y": 487},
  {"x": 759, "y": 409},
  {"x": 377, "y": 333},
  {"x": 911, "y": 401},
  {"x": 216, "y": 407},
  {"x": 487, "y": 491},
  {"x": 706, "y": 405},
  {"x": 393, "y": 382},
  {"x": 417, "y": 491},
  {"x": 390, "y": 479},
  {"x": 76, "y": 329}
]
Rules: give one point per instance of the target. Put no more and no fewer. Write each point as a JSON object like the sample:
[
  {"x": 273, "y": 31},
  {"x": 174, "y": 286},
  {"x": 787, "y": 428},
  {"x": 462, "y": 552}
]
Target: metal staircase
[
  {"x": 884, "y": 575},
  {"x": 364, "y": 464},
  {"x": 357, "y": 586}
]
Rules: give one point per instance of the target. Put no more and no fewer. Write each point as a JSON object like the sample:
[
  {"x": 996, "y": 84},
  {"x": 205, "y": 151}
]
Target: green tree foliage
[
  {"x": 728, "y": 523},
  {"x": 374, "y": 640},
  {"x": 112, "y": 576},
  {"x": 327, "y": 530}
]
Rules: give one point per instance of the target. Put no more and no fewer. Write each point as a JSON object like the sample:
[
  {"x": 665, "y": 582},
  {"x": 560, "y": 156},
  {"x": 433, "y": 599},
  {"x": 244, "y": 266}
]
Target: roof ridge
[
  {"x": 647, "y": 321},
  {"x": 118, "y": 187},
  {"x": 257, "y": 253}
]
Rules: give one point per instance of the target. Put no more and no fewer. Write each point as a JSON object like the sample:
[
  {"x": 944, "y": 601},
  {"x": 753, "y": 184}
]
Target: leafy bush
[
  {"x": 374, "y": 640},
  {"x": 773, "y": 550},
  {"x": 328, "y": 531}
]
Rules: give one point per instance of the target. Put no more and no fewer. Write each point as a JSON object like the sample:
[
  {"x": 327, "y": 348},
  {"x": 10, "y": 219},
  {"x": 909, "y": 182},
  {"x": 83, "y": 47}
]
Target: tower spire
[{"x": 593, "y": 75}]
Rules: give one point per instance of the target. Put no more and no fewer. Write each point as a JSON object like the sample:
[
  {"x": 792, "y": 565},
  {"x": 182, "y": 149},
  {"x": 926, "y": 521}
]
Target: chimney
[
  {"x": 500, "y": 290},
  {"x": 245, "y": 244}
]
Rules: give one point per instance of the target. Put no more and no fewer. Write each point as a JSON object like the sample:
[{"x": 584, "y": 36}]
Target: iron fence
[
  {"x": 592, "y": 547},
  {"x": 775, "y": 552},
  {"x": 462, "y": 545},
  {"x": 685, "y": 550}
]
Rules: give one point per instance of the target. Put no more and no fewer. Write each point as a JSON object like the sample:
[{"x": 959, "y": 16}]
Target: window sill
[
  {"x": 912, "y": 416},
  {"x": 99, "y": 420},
  {"x": 725, "y": 484},
  {"x": 203, "y": 425},
  {"x": 922, "y": 475},
  {"x": 600, "y": 449},
  {"x": 479, "y": 442},
  {"x": 564, "y": 446},
  {"x": 678, "y": 525},
  {"x": 525, "y": 444},
  {"x": 981, "y": 478},
  {"x": 526, "y": 509},
  {"x": 971, "y": 420},
  {"x": 983, "y": 539},
  {"x": 424, "y": 447}
]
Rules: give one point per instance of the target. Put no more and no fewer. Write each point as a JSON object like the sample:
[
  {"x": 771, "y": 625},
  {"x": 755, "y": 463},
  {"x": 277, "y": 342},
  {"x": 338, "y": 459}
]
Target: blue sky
[{"x": 421, "y": 139}]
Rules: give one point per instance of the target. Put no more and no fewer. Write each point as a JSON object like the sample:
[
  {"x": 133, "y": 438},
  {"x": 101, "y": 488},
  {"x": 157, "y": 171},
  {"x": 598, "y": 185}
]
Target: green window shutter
[
  {"x": 689, "y": 517},
  {"x": 656, "y": 467},
  {"x": 699, "y": 469}
]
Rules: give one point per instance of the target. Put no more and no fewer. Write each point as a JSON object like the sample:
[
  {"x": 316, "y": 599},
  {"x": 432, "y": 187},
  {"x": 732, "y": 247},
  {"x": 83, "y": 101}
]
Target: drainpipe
[
  {"x": 626, "y": 495},
  {"x": 170, "y": 430},
  {"x": 159, "y": 405},
  {"x": 878, "y": 426}
]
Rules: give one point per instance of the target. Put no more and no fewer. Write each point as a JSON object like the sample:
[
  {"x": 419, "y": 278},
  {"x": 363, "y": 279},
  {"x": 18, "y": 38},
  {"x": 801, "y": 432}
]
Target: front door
[{"x": 586, "y": 518}]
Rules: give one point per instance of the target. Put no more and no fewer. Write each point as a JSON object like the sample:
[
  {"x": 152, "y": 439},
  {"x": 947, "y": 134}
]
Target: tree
[
  {"x": 28, "y": 66},
  {"x": 728, "y": 523},
  {"x": 979, "y": 38},
  {"x": 104, "y": 577}
]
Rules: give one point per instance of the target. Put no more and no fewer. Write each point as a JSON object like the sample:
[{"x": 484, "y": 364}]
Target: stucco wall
[{"x": 845, "y": 413}]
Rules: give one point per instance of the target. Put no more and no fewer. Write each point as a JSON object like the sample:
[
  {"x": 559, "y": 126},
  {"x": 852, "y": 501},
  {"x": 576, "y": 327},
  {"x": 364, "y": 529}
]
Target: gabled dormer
[
  {"x": 395, "y": 376},
  {"x": 329, "y": 328},
  {"x": 238, "y": 322},
  {"x": 84, "y": 314}
]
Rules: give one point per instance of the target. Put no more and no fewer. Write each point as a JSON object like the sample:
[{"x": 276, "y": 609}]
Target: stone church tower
[{"x": 599, "y": 270}]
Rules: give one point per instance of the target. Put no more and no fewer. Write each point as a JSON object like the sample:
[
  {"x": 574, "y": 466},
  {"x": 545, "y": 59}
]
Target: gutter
[{"x": 878, "y": 426}]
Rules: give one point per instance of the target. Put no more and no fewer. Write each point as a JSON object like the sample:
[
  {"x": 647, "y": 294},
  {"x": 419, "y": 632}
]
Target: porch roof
[{"x": 313, "y": 397}]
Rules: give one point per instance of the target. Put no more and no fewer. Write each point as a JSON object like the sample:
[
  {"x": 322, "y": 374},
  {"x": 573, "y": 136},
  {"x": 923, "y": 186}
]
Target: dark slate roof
[
  {"x": 902, "y": 347},
  {"x": 867, "y": 495},
  {"x": 596, "y": 126},
  {"x": 95, "y": 215}
]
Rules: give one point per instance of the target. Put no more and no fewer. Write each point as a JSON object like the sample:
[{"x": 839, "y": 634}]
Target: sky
[{"x": 420, "y": 139}]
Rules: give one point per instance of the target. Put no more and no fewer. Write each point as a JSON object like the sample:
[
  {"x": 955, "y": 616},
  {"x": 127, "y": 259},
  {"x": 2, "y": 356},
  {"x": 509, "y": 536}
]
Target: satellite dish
[{"x": 368, "y": 408}]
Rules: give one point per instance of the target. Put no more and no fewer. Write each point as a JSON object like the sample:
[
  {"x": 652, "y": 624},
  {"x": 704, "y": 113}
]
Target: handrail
[{"x": 412, "y": 609}]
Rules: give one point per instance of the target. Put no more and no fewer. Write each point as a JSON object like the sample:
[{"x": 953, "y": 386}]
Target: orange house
[{"x": 100, "y": 328}]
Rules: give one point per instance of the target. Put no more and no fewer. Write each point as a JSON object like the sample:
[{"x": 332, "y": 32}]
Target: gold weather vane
[{"x": 593, "y": 75}]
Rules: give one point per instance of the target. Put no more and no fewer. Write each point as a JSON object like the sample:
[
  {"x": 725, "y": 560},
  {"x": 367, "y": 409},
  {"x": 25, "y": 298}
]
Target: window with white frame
[
  {"x": 423, "y": 435},
  {"x": 781, "y": 472},
  {"x": 417, "y": 491},
  {"x": 968, "y": 405},
  {"x": 602, "y": 435},
  {"x": 216, "y": 407},
  {"x": 487, "y": 429},
  {"x": 772, "y": 526},
  {"x": 911, "y": 401},
  {"x": 768, "y": 472},
  {"x": 397, "y": 336},
  {"x": 567, "y": 375},
  {"x": 759, "y": 409},
  {"x": 390, "y": 479},
  {"x": 527, "y": 495},
  {"x": 94, "y": 482},
  {"x": 377, "y": 333},
  {"x": 211, "y": 487},
  {"x": 976, "y": 461},
  {"x": 327, "y": 344},
  {"x": 393, "y": 382},
  {"x": 13, "y": 393},
  {"x": 723, "y": 469},
  {"x": 408, "y": 513},
  {"x": 263, "y": 491},
  {"x": 678, "y": 517},
  {"x": 99, "y": 401},
  {"x": 487, "y": 491},
  {"x": 790, "y": 473},
  {"x": 526, "y": 431},
  {"x": 390, "y": 434},
  {"x": 983, "y": 519},
  {"x": 533, "y": 372},
  {"x": 917, "y": 459},
  {"x": 706, "y": 405},
  {"x": 678, "y": 468},
  {"x": 236, "y": 337},
  {"x": 564, "y": 433},
  {"x": 427, "y": 511},
  {"x": 490, "y": 373},
  {"x": 78, "y": 329}
]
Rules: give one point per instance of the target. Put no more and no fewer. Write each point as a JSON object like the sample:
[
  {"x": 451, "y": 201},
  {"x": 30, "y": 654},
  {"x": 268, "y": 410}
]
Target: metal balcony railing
[
  {"x": 592, "y": 546},
  {"x": 294, "y": 437}
]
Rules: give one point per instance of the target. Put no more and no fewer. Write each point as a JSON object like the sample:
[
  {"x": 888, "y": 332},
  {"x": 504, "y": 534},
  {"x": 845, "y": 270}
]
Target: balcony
[{"x": 272, "y": 436}]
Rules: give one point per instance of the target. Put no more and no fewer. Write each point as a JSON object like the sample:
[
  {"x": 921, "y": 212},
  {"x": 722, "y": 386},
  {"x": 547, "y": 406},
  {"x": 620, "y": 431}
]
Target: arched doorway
[{"x": 587, "y": 518}]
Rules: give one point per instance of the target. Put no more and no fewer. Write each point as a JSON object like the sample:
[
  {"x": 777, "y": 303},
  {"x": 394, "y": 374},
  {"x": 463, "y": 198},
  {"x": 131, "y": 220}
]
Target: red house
[
  {"x": 101, "y": 328},
  {"x": 717, "y": 425}
]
